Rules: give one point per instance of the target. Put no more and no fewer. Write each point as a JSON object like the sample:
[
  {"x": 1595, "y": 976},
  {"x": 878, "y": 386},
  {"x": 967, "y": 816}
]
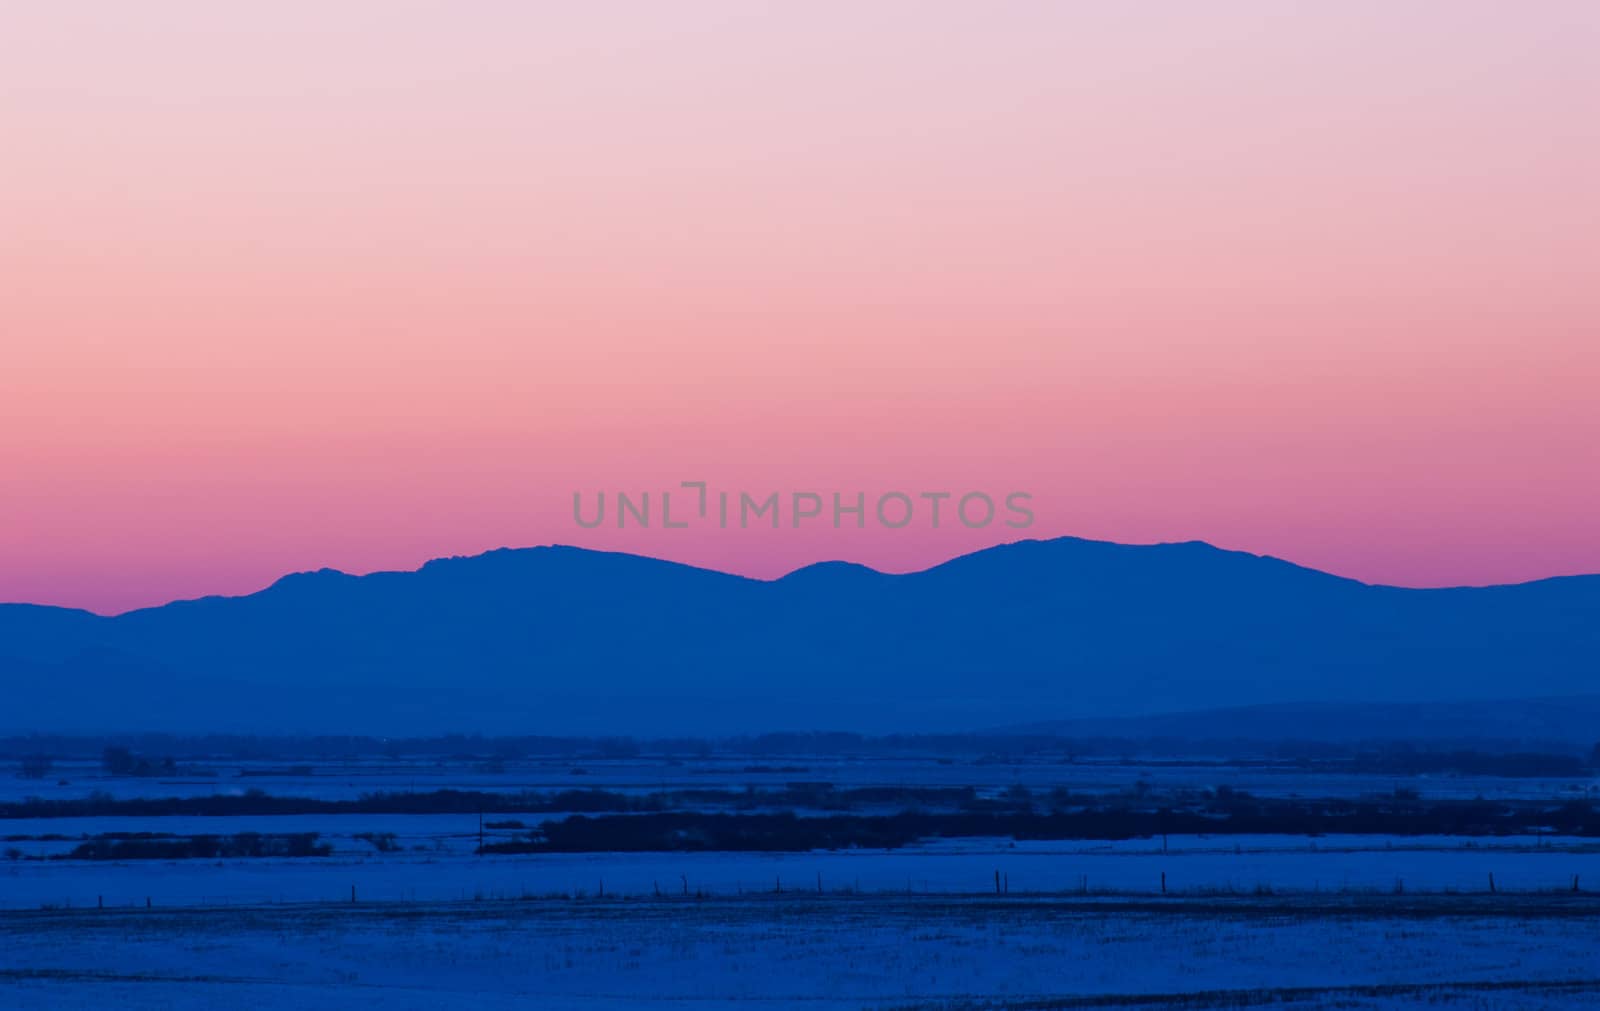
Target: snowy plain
[
  {"x": 1285, "y": 920},
  {"x": 816, "y": 952}
]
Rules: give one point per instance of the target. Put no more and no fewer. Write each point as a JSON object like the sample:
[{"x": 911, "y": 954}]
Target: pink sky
[{"x": 297, "y": 284}]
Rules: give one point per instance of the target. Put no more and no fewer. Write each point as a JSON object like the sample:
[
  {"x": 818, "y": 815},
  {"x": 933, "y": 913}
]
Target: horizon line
[{"x": 328, "y": 570}]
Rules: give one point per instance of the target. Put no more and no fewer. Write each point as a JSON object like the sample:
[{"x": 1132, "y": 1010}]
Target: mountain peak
[
  {"x": 829, "y": 570},
  {"x": 310, "y": 576}
]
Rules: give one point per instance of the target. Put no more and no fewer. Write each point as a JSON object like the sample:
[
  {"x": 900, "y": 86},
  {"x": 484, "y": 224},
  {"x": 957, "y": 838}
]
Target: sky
[{"x": 294, "y": 285}]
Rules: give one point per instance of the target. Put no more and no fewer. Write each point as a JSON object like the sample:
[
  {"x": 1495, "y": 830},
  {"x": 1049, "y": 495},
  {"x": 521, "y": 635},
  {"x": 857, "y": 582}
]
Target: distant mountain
[
  {"x": 1571, "y": 721},
  {"x": 564, "y": 640}
]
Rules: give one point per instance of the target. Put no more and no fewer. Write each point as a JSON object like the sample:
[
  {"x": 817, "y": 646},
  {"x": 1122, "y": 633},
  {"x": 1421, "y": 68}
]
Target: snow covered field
[
  {"x": 816, "y": 952},
  {"x": 349, "y": 779},
  {"x": 1192, "y": 865},
  {"x": 424, "y": 921}
]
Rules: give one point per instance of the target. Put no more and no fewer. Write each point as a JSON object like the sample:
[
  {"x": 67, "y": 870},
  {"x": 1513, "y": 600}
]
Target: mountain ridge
[
  {"x": 1570, "y": 721},
  {"x": 565, "y": 639},
  {"x": 840, "y": 564}
]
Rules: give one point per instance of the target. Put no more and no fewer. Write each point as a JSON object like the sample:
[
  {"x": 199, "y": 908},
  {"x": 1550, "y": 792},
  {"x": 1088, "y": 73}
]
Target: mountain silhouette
[
  {"x": 1564, "y": 723},
  {"x": 562, "y": 640}
]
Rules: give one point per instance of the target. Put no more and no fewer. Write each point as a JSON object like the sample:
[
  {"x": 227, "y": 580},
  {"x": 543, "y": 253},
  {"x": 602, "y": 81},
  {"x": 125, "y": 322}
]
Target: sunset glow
[{"x": 285, "y": 286}]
